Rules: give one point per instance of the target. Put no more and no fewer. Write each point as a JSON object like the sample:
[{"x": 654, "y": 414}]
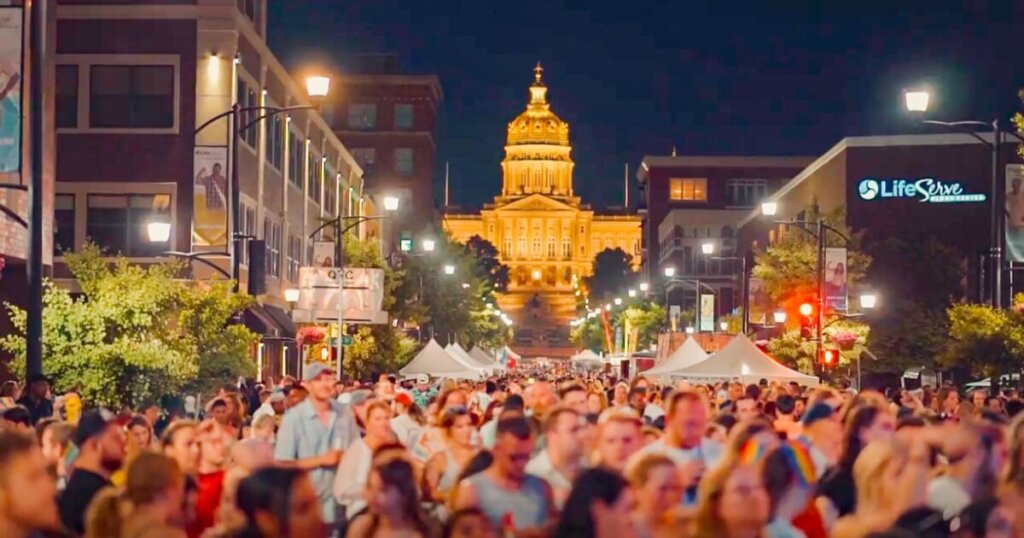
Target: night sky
[{"x": 740, "y": 77}]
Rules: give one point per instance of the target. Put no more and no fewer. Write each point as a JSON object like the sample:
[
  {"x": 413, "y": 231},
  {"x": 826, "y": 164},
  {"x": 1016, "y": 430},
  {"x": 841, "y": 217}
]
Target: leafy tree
[
  {"x": 650, "y": 319},
  {"x": 986, "y": 341},
  {"x": 613, "y": 274},
  {"x": 495, "y": 272},
  {"x": 588, "y": 335},
  {"x": 789, "y": 265},
  {"x": 797, "y": 352},
  {"x": 136, "y": 333}
]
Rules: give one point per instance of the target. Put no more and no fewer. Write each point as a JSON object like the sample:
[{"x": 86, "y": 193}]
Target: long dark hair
[
  {"x": 398, "y": 474},
  {"x": 858, "y": 419},
  {"x": 266, "y": 490},
  {"x": 591, "y": 486}
]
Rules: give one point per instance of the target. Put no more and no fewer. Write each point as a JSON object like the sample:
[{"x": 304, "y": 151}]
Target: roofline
[
  {"x": 720, "y": 161},
  {"x": 944, "y": 139},
  {"x": 426, "y": 80}
]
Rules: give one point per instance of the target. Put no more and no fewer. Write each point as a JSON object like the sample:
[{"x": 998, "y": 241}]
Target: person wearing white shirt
[
  {"x": 560, "y": 461},
  {"x": 354, "y": 469},
  {"x": 972, "y": 469},
  {"x": 684, "y": 443},
  {"x": 406, "y": 427},
  {"x": 273, "y": 405}
]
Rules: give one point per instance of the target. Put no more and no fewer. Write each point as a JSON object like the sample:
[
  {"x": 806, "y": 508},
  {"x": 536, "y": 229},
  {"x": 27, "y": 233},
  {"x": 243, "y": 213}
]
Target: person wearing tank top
[{"x": 512, "y": 500}]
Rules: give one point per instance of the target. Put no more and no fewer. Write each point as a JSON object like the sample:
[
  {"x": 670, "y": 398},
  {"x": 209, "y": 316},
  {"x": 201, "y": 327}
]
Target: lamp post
[
  {"x": 670, "y": 273},
  {"x": 917, "y": 101},
  {"x": 708, "y": 249}
]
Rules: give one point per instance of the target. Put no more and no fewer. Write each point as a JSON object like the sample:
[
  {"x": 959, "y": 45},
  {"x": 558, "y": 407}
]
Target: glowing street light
[
  {"x": 868, "y": 300},
  {"x": 769, "y": 209},
  {"x": 707, "y": 248},
  {"x": 916, "y": 100},
  {"x": 670, "y": 272},
  {"x": 449, "y": 269},
  {"x": 644, "y": 287},
  {"x": 391, "y": 203},
  {"x": 429, "y": 245},
  {"x": 779, "y": 316},
  {"x": 618, "y": 301},
  {"x": 608, "y": 307},
  {"x": 689, "y": 330},
  {"x": 631, "y": 292},
  {"x": 291, "y": 295},
  {"x": 159, "y": 230},
  {"x": 318, "y": 86}
]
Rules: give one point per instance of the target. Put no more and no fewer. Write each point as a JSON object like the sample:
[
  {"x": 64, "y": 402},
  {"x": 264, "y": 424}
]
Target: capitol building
[{"x": 544, "y": 233}]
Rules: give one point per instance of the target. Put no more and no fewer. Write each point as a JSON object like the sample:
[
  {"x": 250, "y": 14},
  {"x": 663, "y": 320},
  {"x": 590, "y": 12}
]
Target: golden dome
[{"x": 538, "y": 125}]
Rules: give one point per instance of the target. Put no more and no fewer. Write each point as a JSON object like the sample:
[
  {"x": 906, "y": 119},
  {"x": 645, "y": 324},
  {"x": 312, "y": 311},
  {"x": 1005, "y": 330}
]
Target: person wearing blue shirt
[{"x": 314, "y": 434}]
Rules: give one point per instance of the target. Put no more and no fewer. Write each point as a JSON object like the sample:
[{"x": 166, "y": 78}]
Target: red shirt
[
  {"x": 810, "y": 522},
  {"x": 210, "y": 487}
]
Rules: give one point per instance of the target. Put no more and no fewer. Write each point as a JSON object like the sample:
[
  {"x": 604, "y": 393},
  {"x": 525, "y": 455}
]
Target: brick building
[{"x": 133, "y": 81}]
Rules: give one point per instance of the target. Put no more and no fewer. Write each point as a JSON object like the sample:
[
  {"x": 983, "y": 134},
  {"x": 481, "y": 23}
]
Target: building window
[
  {"x": 522, "y": 247},
  {"x": 507, "y": 251},
  {"x": 551, "y": 247},
  {"x": 689, "y": 190},
  {"x": 403, "y": 161},
  {"x": 63, "y": 223},
  {"x": 746, "y": 192},
  {"x": 131, "y": 96},
  {"x": 294, "y": 257},
  {"x": 246, "y": 97},
  {"x": 249, "y": 8},
  {"x": 272, "y": 236},
  {"x": 296, "y": 158},
  {"x": 566, "y": 248},
  {"x": 248, "y": 223},
  {"x": 536, "y": 246},
  {"x": 330, "y": 191},
  {"x": 362, "y": 116},
  {"x": 315, "y": 186},
  {"x": 403, "y": 116},
  {"x": 67, "y": 96},
  {"x": 275, "y": 141},
  {"x": 366, "y": 158},
  {"x": 117, "y": 222}
]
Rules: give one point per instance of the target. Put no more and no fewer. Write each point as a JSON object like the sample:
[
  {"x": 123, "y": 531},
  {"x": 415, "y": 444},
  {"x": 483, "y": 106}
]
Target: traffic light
[
  {"x": 807, "y": 321},
  {"x": 257, "y": 267},
  {"x": 829, "y": 358}
]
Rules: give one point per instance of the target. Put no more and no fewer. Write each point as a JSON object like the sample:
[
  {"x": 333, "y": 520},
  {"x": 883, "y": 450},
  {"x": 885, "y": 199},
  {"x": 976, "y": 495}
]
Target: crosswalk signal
[{"x": 829, "y": 358}]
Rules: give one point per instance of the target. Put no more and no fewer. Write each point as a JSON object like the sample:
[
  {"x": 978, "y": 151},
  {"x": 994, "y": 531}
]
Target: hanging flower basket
[
  {"x": 308, "y": 336},
  {"x": 845, "y": 339}
]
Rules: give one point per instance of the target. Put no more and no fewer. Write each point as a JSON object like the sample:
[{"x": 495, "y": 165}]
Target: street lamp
[
  {"x": 779, "y": 316},
  {"x": 689, "y": 329},
  {"x": 618, "y": 301},
  {"x": 806, "y": 309},
  {"x": 707, "y": 248},
  {"x": 449, "y": 269},
  {"x": 608, "y": 307},
  {"x": 644, "y": 287},
  {"x": 391, "y": 203},
  {"x": 631, "y": 292},
  {"x": 670, "y": 272},
  {"x": 318, "y": 86},
  {"x": 916, "y": 100},
  {"x": 291, "y": 295},
  {"x": 428, "y": 245},
  {"x": 868, "y": 301},
  {"x": 465, "y": 285},
  {"x": 769, "y": 209},
  {"x": 158, "y": 230}
]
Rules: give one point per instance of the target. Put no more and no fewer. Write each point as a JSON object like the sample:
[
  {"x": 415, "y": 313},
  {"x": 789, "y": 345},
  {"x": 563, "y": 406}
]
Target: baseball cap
[
  {"x": 357, "y": 397},
  {"x": 277, "y": 396},
  {"x": 819, "y": 411},
  {"x": 91, "y": 424},
  {"x": 422, "y": 379},
  {"x": 403, "y": 398},
  {"x": 315, "y": 370}
]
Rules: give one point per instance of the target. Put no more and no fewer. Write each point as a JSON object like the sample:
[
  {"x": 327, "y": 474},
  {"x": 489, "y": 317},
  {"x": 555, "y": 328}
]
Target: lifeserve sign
[{"x": 926, "y": 189}]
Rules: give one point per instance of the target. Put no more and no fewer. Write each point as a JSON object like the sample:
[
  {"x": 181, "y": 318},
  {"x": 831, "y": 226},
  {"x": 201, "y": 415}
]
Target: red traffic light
[
  {"x": 829, "y": 357},
  {"x": 806, "y": 309}
]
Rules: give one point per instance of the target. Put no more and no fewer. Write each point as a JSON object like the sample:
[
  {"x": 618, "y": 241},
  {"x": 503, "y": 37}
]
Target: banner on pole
[
  {"x": 323, "y": 254},
  {"x": 673, "y": 316},
  {"x": 320, "y": 295},
  {"x": 1015, "y": 212},
  {"x": 707, "y": 313},
  {"x": 835, "y": 279},
  {"x": 11, "y": 39},
  {"x": 759, "y": 301},
  {"x": 210, "y": 196}
]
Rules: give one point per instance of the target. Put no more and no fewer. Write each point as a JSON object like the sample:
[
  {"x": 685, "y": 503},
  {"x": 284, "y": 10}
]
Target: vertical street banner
[
  {"x": 323, "y": 254},
  {"x": 835, "y": 279},
  {"x": 1014, "y": 212},
  {"x": 11, "y": 28},
  {"x": 673, "y": 317},
  {"x": 210, "y": 196},
  {"x": 707, "y": 313},
  {"x": 759, "y": 301}
]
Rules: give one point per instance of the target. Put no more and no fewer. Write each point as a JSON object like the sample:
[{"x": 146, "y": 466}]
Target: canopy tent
[
  {"x": 686, "y": 355},
  {"x": 587, "y": 356},
  {"x": 505, "y": 355},
  {"x": 482, "y": 357},
  {"x": 741, "y": 359},
  {"x": 460, "y": 354},
  {"x": 435, "y": 361}
]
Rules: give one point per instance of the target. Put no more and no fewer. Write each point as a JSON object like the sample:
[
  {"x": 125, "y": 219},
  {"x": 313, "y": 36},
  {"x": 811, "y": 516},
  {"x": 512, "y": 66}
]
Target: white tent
[
  {"x": 741, "y": 359},
  {"x": 456, "y": 351},
  {"x": 587, "y": 356},
  {"x": 482, "y": 357},
  {"x": 686, "y": 355},
  {"x": 435, "y": 361}
]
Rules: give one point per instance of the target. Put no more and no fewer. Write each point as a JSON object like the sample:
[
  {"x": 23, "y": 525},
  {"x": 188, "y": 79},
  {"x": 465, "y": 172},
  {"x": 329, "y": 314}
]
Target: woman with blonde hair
[
  {"x": 732, "y": 501},
  {"x": 658, "y": 490},
  {"x": 150, "y": 505}
]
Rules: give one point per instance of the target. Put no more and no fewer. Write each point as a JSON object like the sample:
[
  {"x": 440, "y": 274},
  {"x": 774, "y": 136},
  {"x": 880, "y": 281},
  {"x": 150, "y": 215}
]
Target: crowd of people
[{"x": 534, "y": 453}]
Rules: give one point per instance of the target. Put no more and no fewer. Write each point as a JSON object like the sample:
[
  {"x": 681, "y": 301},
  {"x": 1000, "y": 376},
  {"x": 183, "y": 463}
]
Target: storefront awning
[{"x": 269, "y": 321}]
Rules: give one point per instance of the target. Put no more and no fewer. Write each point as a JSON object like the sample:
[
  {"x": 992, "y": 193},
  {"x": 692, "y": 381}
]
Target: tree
[
  {"x": 137, "y": 333},
  {"x": 649, "y": 319},
  {"x": 985, "y": 341},
  {"x": 495, "y": 272},
  {"x": 613, "y": 274},
  {"x": 788, "y": 266}
]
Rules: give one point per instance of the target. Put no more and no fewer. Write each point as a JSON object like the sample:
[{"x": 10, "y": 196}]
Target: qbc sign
[{"x": 926, "y": 189}]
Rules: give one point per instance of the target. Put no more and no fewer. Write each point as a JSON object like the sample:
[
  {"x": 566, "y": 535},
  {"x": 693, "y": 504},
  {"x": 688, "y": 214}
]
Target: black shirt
[
  {"x": 73, "y": 503},
  {"x": 838, "y": 486},
  {"x": 37, "y": 410}
]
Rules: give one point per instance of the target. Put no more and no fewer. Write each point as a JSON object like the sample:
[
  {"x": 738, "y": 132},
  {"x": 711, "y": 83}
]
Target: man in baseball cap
[
  {"x": 100, "y": 441},
  {"x": 314, "y": 434}
]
